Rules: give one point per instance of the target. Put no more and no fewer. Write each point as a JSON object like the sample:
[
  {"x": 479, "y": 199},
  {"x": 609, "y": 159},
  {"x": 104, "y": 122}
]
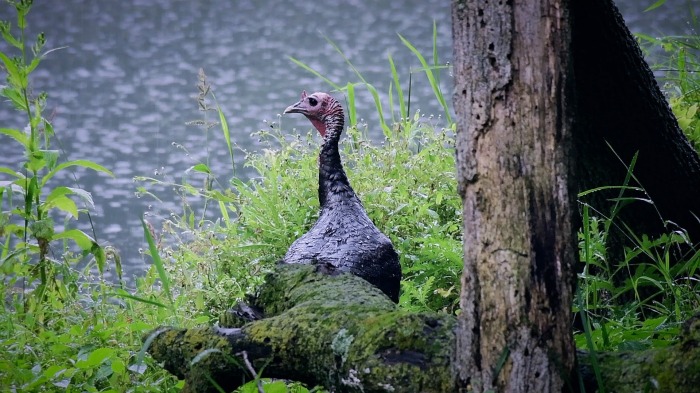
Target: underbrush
[{"x": 639, "y": 301}]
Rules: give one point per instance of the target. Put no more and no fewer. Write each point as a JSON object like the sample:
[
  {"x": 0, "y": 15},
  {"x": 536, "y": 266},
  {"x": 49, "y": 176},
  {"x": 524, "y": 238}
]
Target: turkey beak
[{"x": 296, "y": 108}]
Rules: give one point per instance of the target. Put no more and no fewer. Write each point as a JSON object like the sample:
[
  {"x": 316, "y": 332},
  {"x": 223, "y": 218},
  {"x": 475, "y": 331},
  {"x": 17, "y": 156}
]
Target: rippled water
[{"x": 121, "y": 91}]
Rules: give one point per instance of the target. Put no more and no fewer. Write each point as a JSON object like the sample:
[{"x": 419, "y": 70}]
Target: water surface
[{"x": 120, "y": 93}]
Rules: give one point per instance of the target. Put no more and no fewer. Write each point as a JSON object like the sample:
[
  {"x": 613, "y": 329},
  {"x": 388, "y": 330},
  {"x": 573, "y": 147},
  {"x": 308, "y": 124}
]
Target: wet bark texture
[
  {"x": 619, "y": 103},
  {"x": 512, "y": 77},
  {"x": 345, "y": 335}
]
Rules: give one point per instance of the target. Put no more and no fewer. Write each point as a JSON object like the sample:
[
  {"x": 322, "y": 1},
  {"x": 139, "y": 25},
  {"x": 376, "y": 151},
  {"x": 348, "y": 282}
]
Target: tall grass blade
[
  {"x": 352, "y": 108},
  {"x": 227, "y": 133},
  {"x": 403, "y": 113},
  {"x": 311, "y": 70},
  {"x": 158, "y": 262},
  {"x": 434, "y": 82},
  {"x": 375, "y": 95}
]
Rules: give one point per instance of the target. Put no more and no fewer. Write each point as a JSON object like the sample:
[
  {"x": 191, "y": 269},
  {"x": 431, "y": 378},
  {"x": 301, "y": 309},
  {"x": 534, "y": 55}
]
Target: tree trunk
[
  {"x": 512, "y": 77},
  {"x": 619, "y": 103}
]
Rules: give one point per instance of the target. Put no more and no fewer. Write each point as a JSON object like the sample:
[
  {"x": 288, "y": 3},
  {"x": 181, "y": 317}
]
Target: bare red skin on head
[{"x": 320, "y": 126}]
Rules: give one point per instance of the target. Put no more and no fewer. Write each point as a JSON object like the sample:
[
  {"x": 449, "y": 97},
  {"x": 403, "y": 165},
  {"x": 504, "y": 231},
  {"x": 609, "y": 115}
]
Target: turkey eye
[{"x": 313, "y": 101}]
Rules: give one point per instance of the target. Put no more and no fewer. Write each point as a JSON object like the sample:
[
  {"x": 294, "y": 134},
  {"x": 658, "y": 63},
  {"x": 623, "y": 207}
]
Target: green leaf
[
  {"x": 80, "y": 238},
  {"x": 5, "y": 31},
  {"x": 100, "y": 258},
  {"x": 65, "y": 204},
  {"x": 15, "y": 97},
  {"x": 80, "y": 163},
  {"x": 395, "y": 75},
  {"x": 434, "y": 83},
  {"x": 35, "y": 62},
  {"x": 227, "y": 133},
  {"x": 14, "y": 76},
  {"x": 311, "y": 70},
  {"x": 95, "y": 358},
  {"x": 57, "y": 193},
  {"x": 126, "y": 295},
  {"x": 203, "y": 168},
  {"x": 17, "y": 135},
  {"x": 157, "y": 261},
  {"x": 84, "y": 195},
  {"x": 11, "y": 172},
  {"x": 352, "y": 109},
  {"x": 118, "y": 366},
  {"x": 656, "y": 5}
]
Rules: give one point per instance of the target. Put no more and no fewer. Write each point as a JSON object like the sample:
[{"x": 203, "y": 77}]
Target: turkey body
[{"x": 343, "y": 238}]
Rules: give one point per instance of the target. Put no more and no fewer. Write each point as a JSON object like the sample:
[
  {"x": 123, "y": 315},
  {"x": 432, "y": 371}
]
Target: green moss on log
[
  {"x": 323, "y": 330},
  {"x": 342, "y": 333}
]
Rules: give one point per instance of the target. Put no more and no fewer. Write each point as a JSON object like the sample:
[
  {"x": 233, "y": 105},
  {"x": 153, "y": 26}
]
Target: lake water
[{"x": 121, "y": 91}]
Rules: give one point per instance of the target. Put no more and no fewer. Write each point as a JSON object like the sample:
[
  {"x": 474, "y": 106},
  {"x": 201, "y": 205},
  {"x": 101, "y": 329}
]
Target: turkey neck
[{"x": 332, "y": 181}]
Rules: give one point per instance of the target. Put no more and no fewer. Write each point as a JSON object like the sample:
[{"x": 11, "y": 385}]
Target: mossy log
[
  {"x": 333, "y": 330},
  {"x": 342, "y": 333}
]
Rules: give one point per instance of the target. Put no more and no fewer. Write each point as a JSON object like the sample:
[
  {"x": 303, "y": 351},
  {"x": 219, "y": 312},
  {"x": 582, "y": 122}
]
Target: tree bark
[
  {"x": 512, "y": 77},
  {"x": 619, "y": 103}
]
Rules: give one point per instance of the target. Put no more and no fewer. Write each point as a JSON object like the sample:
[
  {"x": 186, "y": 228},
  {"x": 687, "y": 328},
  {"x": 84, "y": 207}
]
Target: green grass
[{"x": 83, "y": 333}]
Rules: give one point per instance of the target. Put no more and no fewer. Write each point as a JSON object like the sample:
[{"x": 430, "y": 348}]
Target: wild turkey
[{"x": 344, "y": 237}]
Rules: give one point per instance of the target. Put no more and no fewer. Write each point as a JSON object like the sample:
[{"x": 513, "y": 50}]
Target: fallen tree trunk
[
  {"x": 342, "y": 333},
  {"x": 336, "y": 331}
]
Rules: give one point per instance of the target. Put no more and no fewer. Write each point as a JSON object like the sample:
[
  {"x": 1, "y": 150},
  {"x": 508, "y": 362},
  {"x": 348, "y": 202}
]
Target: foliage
[{"x": 29, "y": 203}]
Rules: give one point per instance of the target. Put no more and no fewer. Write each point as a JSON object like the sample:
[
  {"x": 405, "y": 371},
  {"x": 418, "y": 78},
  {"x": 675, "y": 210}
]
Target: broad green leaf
[
  {"x": 65, "y": 204},
  {"x": 84, "y": 195},
  {"x": 17, "y": 135},
  {"x": 80, "y": 238},
  {"x": 80, "y": 163},
  {"x": 203, "y": 168},
  {"x": 95, "y": 358},
  {"x": 57, "y": 193},
  {"x": 15, "y": 97},
  {"x": 36, "y": 161},
  {"x": 14, "y": 75},
  {"x": 118, "y": 366},
  {"x": 11, "y": 172}
]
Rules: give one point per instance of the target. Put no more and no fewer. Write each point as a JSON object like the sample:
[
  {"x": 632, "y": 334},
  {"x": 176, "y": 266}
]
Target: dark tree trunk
[
  {"x": 513, "y": 76},
  {"x": 619, "y": 103}
]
